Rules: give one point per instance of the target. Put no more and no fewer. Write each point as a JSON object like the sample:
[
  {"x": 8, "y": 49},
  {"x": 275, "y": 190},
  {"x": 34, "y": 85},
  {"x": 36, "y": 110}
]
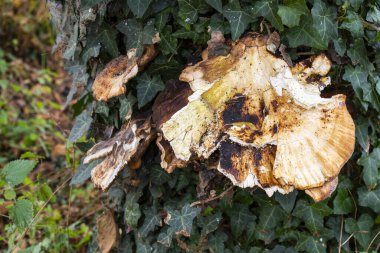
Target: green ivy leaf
[
  {"x": 286, "y": 201},
  {"x": 324, "y": 20},
  {"x": 21, "y": 213},
  {"x": 216, "y": 4},
  {"x": 238, "y": 19},
  {"x": 165, "y": 237},
  {"x": 340, "y": 46},
  {"x": 105, "y": 35},
  {"x": 357, "y": 77},
  {"x": 361, "y": 132},
  {"x": 210, "y": 223},
  {"x": 151, "y": 220},
  {"x": 189, "y": 9},
  {"x": 138, "y": 7},
  {"x": 369, "y": 199},
  {"x": 81, "y": 125},
  {"x": 305, "y": 35},
  {"x": 132, "y": 212},
  {"x": 241, "y": 219},
  {"x": 16, "y": 171},
  {"x": 311, "y": 214},
  {"x": 371, "y": 165},
  {"x": 291, "y": 12},
  {"x": 182, "y": 222},
  {"x": 168, "y": 43},
  {"x": 216, "y": 241},
  {"x": 343, "y": 203},
  {"x": 136, "y": 35},
  {"x": 268, "y": 10},
  {"x": 126, "y": 106},
  {"x": 310, "y": 244},
  {"x": 358, "y": 54},
  {"x": 360, "y": 229},
  {"x": 353, "y": 24},
  {"x": 83, "y": 172},
  {"x": 147, "y": 88}
]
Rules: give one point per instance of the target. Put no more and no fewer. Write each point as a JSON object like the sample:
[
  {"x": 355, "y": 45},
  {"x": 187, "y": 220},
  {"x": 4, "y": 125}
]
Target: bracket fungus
[
  {"x": 110, "y": 82},
  {"x": 266, "y": 121}
]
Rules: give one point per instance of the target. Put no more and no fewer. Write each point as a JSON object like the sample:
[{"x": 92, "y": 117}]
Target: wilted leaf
[
  {"x": 107, "y": 231},
  {"x": 182, "y": 221},
  {"x": 16, "y": 171},
  {"x": 147, "y": 88},
  {"x": 21, "y": 213}
]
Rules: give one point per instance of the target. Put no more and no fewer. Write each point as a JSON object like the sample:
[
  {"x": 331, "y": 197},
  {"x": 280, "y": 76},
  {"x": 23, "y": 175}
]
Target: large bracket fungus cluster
[{"x": 266, "y": 122}]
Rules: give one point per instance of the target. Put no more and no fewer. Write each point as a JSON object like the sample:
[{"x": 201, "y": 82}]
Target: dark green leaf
[
  {"x": 16, "y": 171},
  {"x": 81, "y": 125},
  {"x": 324, "y": 20},
  {"x": 357, "y": 77},
  {"x": 311, "y": 214},
  {"x": 268, "y": 10},
  {"x": 353, "y": 24},
  {"x": 151, "y": 220},
  {"x": 126, "y": 106},
  {"x": 305, "y": 35},
  {"x": 165, "y": 237},
  {"x": 105, "y": 35},
  {"x": 369, "y": 198},
  {"x": 138, "y": 7},
  {"x": 361, "y": 133},
  {"x": 241, "y": 219},
  {"x": 216, "y": 4},
  {"x": 182, "y": 222},
  {"x": 343, "y": 203},
  {"x": 358, "y": 54},
  {"x": 310, "y": 244},
  {"x": 168, "y": 43},
  {"x": 21, "y": 213},
  {"x": 83, "y": 172},
  {"x": 216, "y": 242},
  {"x": 210, "y": 223},
  {"x": 360, "y": 229},
  {"x": 371, "y": 164},
  {"x": 238, "y": 19},
  {"x": 147, "y": 88},
  {"x": 340, "y": 46},
  {"x": 291, "y": 12},
  {"x": 286, "y": 201}
]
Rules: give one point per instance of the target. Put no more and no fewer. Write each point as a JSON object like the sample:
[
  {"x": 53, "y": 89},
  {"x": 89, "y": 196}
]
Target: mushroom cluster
[{"x": 266, "y": 121}]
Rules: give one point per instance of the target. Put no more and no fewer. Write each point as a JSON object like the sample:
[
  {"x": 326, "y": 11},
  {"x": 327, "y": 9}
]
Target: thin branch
[
  {"x": 340, "y": 235},
  {"x": 204, "y": 201},
  {"x": 373, "y": 26},
  {"x": 351, "y": 235},
  {"x": 369, "y": 246}
]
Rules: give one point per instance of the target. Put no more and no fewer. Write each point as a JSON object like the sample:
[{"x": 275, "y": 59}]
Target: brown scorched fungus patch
[{"x": 267, "y": 121}]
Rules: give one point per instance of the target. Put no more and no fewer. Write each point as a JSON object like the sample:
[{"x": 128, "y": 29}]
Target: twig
[
  {"x": 351, "y": 235},
  {"x": 369, "y": 246},
  {"x": 373, "y": 26},
  {"x": 204, "y": 201},
  {"x": 42, "y": 208},
  {"x": 340, "y": 235}
]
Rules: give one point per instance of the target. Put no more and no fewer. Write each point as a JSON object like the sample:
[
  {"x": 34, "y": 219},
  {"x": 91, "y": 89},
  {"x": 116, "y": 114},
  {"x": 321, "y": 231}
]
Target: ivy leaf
[
  {"x": 182, "y": 222},
  {"x": 358, "y": 54},
  {"x": 216, "y": 4},
  {"x": 210, "y": 223},
  {"x": 168, "y": 43},
  {"x": 286, "y": 201},
  {"x": 104, "y": 35},
  {"x": 324, "y": 20},
  {"x": 132, "y": 212},
  {"x": 370, "y": 95},
  {"x": 189, "y": 9},
  {"x": 311, "y": 214},
  {"x": 238, "y": 19},
  {"x": 361, "y": 133},
  {"x": 136, "y": 35},
  {"x": 369, "y": 198},
  {"x": 126, "y": 106},
  {"x": 241, "y": 219},
  {"x": 85, "y": 4},
  {"x": 268, "y": 10},
  {"x": 138, "y": 7},
  {"x": 165, "y": 237},
  {"x": 357, "y": 77},
  {"x": 371, "y": 165},
  {"x": 305, "y": 34},
  {"x": 340, "y": 46},
  {"x": 353, "y": 24},
  {"x": 147, "y": 88},
  {"x": 16, "y": 171},
  {"x": 360, "y": 229},
  {"x": 90, "y": 52},
  {"x": 373, "y": 15},
  {"x": 310, "y": 244},
  {"x": 291, "y": 12},
  {"x": 343, "y": 203},
  {"x": 81, "y": 125},
  {"x": 151, "y": 220},
  {"x": 83, "y": 172},
  {"x": 21, "y": 213},
  {"x": 216, "y": 241}
]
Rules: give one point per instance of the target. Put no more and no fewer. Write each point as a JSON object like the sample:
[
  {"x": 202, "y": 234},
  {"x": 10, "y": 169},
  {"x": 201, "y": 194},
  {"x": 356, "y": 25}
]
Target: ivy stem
[{"x": 204, "y": 201}]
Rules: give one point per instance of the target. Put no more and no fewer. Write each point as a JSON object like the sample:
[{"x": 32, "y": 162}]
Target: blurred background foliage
[{"x": 39, "y": 211}]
